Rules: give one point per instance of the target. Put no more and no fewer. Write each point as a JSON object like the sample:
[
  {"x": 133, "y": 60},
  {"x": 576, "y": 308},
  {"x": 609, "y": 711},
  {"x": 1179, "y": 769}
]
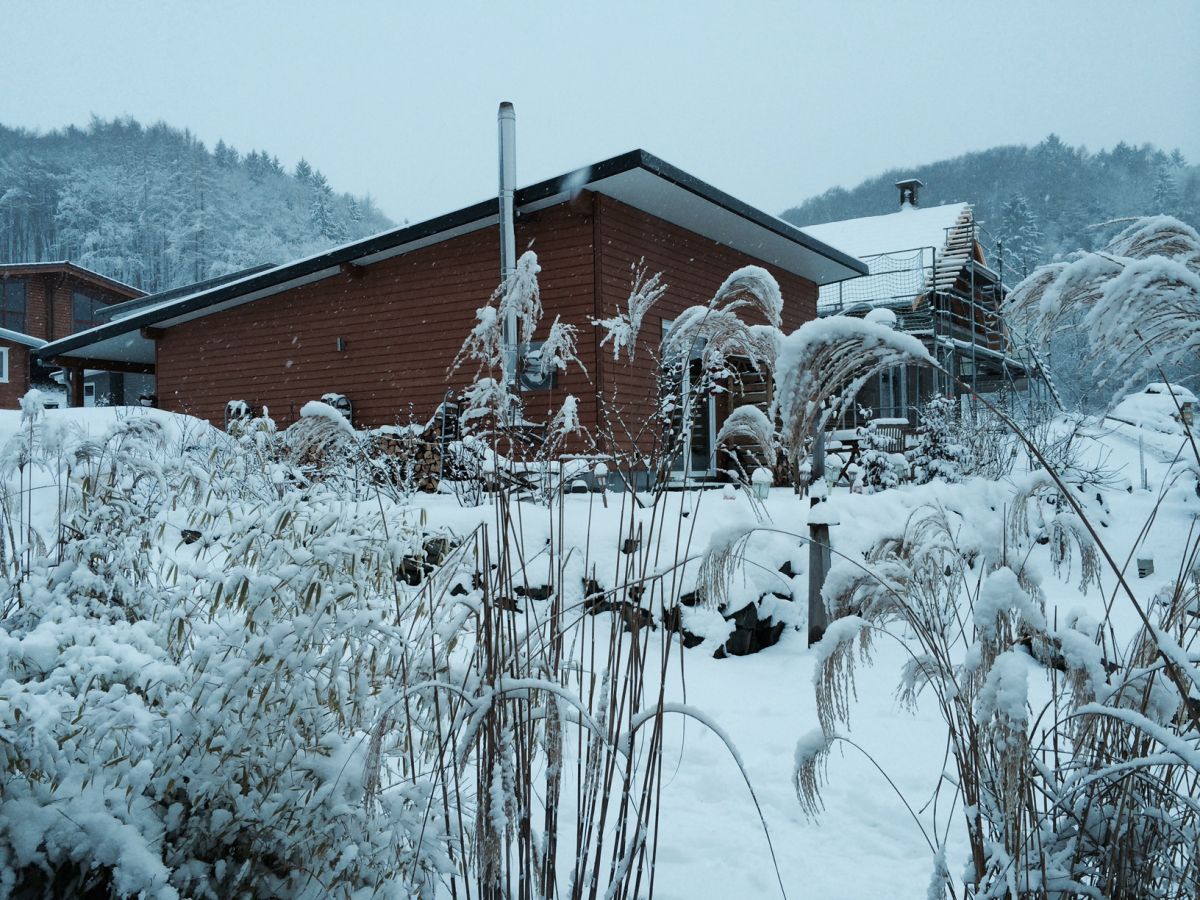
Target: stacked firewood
[{"x": 405, "y": 456}]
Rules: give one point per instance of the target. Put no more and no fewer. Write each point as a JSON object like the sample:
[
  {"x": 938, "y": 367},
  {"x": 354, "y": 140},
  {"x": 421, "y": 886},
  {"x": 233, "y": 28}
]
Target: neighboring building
[
  {"x": 381, "y": 320},
  {"x": 42, "y": 302},
  {"x": 927, "y": 268}
]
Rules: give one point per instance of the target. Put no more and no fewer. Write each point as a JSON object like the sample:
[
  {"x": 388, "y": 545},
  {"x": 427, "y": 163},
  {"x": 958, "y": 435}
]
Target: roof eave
[{"x": 324, "y": 264}]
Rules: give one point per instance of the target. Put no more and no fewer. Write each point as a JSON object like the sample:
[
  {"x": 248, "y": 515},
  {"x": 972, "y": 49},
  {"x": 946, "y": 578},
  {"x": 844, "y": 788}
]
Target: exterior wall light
[{"x": 761, "y": 481}]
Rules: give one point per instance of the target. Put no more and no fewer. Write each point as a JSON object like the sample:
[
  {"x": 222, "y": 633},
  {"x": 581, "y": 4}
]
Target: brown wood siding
[
  {"x": 18, "y": 375},
  {"x": 693, "y": 268},
  {"x": 47, "y": 316},
  {"x": 403, "y": 321},
  {"x": 64, "y": 306},
  {"x": 48, "y": 307},
  {"x": 37, "y": 292}
]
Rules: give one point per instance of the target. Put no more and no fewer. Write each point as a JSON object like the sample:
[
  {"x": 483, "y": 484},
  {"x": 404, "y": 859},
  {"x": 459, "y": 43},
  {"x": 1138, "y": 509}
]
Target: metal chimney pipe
[{"x": 506, "y": 120}]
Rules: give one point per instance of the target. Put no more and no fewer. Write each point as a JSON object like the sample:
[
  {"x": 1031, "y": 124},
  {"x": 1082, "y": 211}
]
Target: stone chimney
[{"x": 908, "y": 191}]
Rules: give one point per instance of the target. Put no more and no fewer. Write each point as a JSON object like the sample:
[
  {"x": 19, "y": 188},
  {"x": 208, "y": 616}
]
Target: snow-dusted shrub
[
  {"x": 1088, "y": 794},
  {"x": 748, "y": 430},
  {"x": 623, "y": 329},
  {"x": 823, "y": 365},
  {"x": 708, "y": 349},
  {"x": 937, "y": 450},
  {"x": 1139, "y": 296},
  {"x": 879, "y": 465},
  {"x": 212, "y": 721},
  {"x": 322, "y": 438}
]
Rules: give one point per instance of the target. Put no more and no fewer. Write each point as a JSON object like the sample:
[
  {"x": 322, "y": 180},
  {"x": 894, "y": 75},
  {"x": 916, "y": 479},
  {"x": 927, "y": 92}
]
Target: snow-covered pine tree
[
  {"x": 937, "y": 452},
  {"x": 1165, "y": 201},
  {"x": 321, "y": 210},
  {"x": 1022, "y": 236},
  {"x": 304, "y": 172},
  {"x": 224, "y": 155}
]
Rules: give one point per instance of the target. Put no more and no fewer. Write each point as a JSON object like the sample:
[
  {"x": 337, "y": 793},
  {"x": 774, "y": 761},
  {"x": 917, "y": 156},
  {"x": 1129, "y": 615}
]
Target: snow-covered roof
[
  {"x": 19, "y": 337},
  {"x": 909, "y": 228},
  {"x": 904, "y": 252}
]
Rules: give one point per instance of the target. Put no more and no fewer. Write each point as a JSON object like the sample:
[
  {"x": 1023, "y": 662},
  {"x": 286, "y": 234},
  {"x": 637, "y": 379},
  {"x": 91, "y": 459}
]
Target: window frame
[
  {"x": 8, "y": 285},
  {"x": 4, "y": 370},
  {"x": 96, "y": 303}
]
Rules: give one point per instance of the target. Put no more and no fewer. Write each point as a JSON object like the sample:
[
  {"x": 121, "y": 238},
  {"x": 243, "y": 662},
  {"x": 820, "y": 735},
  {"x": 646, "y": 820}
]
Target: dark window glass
[
  {"x": 12, "y": 304},
  {"x": 83, "y": 307}
]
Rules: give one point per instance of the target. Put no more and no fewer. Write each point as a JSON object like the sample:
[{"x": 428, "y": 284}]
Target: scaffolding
[{"x": 951, "y": 300}]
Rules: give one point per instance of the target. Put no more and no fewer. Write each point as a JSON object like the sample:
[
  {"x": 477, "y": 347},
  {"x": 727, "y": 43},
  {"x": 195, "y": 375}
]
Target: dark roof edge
[
  {"x": 116, "y": 309},
  {"x": 272, "y": 277},
  {"x": 71, "y": 268},
  {"x": 347, "y": 253}
]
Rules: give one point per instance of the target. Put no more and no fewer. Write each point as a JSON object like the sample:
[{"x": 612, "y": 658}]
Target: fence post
[{"x": 818, "y": 548}]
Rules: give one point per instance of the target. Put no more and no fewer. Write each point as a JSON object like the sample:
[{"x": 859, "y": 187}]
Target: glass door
[{"x": 695, "y": 415}]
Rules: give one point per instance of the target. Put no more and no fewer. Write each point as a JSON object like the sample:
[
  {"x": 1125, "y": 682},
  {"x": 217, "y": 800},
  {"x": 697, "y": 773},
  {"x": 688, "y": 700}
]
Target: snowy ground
[{"x": 865, "y": 844}]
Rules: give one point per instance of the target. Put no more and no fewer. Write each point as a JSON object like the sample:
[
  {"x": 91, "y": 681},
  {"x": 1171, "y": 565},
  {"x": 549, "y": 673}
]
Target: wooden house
[
  {"x": 928, "y": 275},
  {"x": 380, "y": 320},
  {"x": 42, "y": 303}
]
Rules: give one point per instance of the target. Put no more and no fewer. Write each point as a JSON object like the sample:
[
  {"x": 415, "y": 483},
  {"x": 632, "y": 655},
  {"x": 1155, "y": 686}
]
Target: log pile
[{"x": 406, "y": 457}]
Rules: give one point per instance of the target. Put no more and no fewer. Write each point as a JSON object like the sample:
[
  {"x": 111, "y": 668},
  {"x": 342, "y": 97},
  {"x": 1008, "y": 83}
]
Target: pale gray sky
[{"x": 771, "y": 102}]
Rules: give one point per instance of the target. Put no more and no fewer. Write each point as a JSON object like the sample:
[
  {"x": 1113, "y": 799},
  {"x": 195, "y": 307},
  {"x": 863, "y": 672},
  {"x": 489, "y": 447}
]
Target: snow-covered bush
[
  {"x": 937, "y": 450},
  {"x": 1139, "y": 297},
  {"x": 748, "y": 432},
  {"x": 200, "y": 722},
  {"x": 490, "y": 399},
  {"x": 709, "y": 349},
  {"x": 823, "y": 365},
  {"x": 1086, "y": 794},
  {"x": 879, "y": 465}
]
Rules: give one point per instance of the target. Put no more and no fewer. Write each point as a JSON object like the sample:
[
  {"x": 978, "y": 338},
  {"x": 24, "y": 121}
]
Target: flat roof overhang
[{"x": 637, "y": 179}]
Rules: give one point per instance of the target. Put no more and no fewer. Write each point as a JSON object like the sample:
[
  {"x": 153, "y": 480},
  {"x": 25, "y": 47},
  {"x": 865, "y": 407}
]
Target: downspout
[{"x": 507, "y": 125}]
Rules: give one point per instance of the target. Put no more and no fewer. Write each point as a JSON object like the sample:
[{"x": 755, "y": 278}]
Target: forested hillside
[
  {"x": 153, "y": 207},
  {"x": 1039, "y": 200}
]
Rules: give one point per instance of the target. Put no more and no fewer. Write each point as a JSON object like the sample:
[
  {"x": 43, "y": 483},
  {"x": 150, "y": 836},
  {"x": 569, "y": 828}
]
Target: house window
[
  {"x": 3, "y": 365},
  {"x": 83, "y": 311},
  {"x": 12, "y": 304},
  {"x": 532, "y": 378}
]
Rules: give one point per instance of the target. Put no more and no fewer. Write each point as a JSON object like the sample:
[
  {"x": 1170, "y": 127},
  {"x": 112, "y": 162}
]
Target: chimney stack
[
  {"x": 908, "y": 191},
  {"x": 506, "y": 120}
]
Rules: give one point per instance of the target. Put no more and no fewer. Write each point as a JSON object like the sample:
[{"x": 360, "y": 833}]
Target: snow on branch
[
  {"x": 483, "y": 342},
  {"x": 623, "y": 328},
  {"x": 519, "y": 293},
  {"x": 749, "y": 423},
  {"x": 753, "y": 287},
  {"x": 522, "y": 295},
  {"x": 824, "y": 363},
  {"x": 717, "y": 336},
  {"x": 1139, "y": 295},
  {"x": 558, "y": 349}
]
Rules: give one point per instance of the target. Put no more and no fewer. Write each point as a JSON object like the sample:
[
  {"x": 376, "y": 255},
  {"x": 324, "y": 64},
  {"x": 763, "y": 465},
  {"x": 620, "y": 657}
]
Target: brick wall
[{"x": 404, "y": 320}]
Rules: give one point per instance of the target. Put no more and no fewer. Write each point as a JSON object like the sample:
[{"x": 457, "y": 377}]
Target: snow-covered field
[{"x": 866, "y": 843}]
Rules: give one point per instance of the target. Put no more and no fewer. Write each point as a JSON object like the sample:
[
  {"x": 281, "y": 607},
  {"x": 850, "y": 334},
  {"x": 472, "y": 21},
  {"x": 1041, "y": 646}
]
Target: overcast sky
[{"x": 772, "y": 102}]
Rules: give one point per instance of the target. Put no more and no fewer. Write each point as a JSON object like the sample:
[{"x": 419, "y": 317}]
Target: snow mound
[
  {"x": 1156, "y": 408},
  {"x": 318, "y": 410}
]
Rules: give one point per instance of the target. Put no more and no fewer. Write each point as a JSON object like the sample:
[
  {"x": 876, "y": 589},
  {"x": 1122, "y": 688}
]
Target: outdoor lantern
[{"x": 761, "y": 480}]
